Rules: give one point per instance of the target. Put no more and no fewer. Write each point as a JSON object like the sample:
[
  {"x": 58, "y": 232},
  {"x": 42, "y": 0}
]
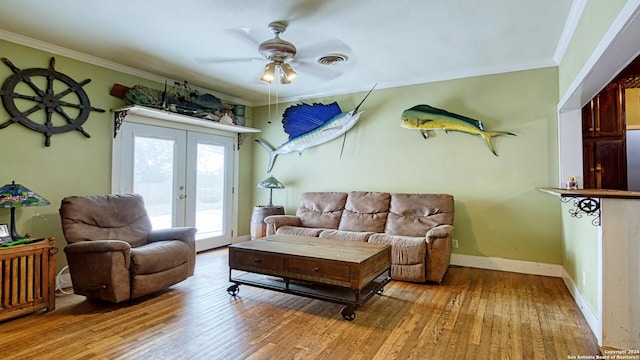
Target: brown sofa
[
  {"x": 113, "y": 253},
  {"x": 417, "y": 226}
]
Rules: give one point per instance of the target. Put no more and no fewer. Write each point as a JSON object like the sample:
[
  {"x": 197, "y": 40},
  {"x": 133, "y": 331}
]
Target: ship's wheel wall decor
[{"x": 45, "y": 100}]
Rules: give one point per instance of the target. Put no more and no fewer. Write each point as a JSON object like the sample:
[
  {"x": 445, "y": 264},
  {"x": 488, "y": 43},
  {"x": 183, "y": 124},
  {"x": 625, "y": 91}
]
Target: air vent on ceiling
[{"x": 332, "y": 59}]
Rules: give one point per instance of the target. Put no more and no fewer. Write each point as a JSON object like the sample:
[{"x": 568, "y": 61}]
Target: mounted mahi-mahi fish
[
  {"x": 312, "y": 125},
  {"x": 426, "y": 118}
]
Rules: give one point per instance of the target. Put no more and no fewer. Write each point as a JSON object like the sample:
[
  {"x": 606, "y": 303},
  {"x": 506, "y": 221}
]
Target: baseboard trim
[
  {"x": 583, "y": 305},
  {"x": 518, "y": 266}
]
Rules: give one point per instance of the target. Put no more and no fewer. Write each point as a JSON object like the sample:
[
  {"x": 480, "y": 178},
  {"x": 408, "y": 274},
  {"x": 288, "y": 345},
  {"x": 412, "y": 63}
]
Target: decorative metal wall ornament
[
  {"x": 118, "y": 119},
  {"x": 587, "y": 206},
  {"x": 45, "y": 99}
]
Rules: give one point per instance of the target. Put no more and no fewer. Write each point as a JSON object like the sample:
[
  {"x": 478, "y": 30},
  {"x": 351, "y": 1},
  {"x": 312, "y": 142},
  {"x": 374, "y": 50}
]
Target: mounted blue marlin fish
[
  {"x": 426, "y": 118},
  {"x": 312, "y": 125}
]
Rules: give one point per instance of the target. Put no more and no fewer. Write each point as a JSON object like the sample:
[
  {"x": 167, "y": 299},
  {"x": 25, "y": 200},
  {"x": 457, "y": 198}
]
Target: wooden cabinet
[
  {"x": 605, "y": 164},
  {"x": 28, "y": 278},
  {"x": 604, "y": 140},
  {"x": 604, "y": 114}
]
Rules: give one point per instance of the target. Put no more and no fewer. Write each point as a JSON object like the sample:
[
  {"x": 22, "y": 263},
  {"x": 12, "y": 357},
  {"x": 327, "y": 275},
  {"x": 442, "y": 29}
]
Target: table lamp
[
  {"x": 270, "y": 183},
  {"x": 15, "y": 195}
]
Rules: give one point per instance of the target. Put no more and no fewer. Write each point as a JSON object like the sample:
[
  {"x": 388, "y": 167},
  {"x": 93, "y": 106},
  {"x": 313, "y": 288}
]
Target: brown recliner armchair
[{"x": 114, "y": 255}]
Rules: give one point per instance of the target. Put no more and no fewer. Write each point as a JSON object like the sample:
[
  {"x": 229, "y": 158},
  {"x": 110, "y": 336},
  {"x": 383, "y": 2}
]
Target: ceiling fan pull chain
[{"x": 269, "y": 106}]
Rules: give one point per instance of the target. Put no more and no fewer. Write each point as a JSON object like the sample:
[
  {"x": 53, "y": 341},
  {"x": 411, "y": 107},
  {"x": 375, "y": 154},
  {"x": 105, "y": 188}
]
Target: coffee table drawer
[
  {"x": 322, "y": 271},
  {"x": 252, "y": 260}
]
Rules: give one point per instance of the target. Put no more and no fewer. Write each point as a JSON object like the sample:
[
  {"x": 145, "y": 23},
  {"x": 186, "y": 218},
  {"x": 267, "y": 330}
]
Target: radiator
[{"x": 28, "y": 278}]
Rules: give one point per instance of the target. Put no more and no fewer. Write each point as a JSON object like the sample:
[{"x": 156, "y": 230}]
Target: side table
[
  {"x": 258, "y": 227},
  {"x": 28, "y": 274}
]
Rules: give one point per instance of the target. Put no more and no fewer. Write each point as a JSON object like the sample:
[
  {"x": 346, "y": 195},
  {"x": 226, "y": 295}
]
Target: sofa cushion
[
  {"x": 365, "y": 211},
  {"x": 300, "y": 231},
  {"x": 415, "y": 214},
  {"x": 159, "y": 256},
  {"x": 321, "y": 209},
  {"x": 346, "y": 235},
  {"x": 408, "y": 256}
]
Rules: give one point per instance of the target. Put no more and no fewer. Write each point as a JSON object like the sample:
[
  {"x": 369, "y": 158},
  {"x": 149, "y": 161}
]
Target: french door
[{"x": 185, "y": 177}]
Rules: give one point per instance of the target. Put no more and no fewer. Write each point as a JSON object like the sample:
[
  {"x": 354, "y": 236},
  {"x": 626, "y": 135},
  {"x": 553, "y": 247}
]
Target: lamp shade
[
  {"x": 270, "y": 183},
  {"x": 15, "y": 195},
  {"x": 269, "y": 73},
  {"x": 288, "y": 73}
]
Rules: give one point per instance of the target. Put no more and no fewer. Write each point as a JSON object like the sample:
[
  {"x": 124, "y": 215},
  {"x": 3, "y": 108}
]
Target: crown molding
[
  {"x": 90, "y": 59},
  {"x": 577, "y": 7},
  {"x": 454, "y": 75}
]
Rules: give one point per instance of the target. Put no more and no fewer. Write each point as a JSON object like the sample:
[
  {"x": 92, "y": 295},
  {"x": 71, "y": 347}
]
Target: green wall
[
  {"x": 597, "y": 17},
  {"x": 499, "y": 212},
  {"x": 580, "y": 253},
  {"x": 632, "y": 107},
  {"x": 579, "y": 236},
  {"x": 73, "y": 164}
]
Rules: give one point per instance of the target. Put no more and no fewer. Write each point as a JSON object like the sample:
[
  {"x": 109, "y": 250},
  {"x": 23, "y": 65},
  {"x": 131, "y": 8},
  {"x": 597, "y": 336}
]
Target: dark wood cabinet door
[
  {"x": 605, "y": 164},
  {"x": 589, "y": 163},
  {"x": 588, "y": 122},
  {"x": 608, "y": 111},
  {"x": 604, "y": 140},
  {"x": 611, "y": 158}
]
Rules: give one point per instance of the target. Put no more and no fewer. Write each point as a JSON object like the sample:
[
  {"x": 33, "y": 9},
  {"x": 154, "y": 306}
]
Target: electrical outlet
[
  {"x": 584, "y": 278},
  {"x": 454, "y": 243}
]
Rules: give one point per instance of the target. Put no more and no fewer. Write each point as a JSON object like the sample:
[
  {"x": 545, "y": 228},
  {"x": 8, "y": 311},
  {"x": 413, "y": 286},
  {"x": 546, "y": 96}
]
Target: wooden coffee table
[{"x": 339, "y": 271}]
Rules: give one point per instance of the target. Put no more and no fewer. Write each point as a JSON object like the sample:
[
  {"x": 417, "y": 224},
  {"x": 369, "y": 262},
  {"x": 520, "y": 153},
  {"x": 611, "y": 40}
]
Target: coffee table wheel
[
  {"x": 379, "y": 292},
  {"x": 348, "y": 313},
  {"x": 233, "y": 290}
]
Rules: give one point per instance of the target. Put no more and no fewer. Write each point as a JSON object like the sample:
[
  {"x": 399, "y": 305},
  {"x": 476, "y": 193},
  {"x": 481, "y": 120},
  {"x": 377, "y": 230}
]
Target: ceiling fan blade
[
  {"x": 325, "y": 47},
  {"x": 247, "y": 35},
  {"x": 302, "y": 9},
  {"x": 228, "y": 60},
  {"x": 325, "y": 72}
]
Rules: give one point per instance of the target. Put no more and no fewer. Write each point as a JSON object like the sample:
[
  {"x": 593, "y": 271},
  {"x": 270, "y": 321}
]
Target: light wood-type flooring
[{"x": 473, "y": 314}]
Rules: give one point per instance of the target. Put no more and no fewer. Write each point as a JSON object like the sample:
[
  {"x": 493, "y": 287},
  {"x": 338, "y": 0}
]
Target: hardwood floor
[{"x": 473, "y": 314}]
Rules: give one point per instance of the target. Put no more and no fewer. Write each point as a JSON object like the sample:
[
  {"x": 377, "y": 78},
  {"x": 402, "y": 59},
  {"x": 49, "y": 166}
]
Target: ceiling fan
[
  {"x": 283, "y": 56},
  {"x": 278, "y": 52}
]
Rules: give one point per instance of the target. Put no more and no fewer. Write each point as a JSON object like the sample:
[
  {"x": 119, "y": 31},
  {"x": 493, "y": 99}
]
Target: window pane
[
  {"x": 210, "y": 190},
  {"x": 153, "y": 178}
]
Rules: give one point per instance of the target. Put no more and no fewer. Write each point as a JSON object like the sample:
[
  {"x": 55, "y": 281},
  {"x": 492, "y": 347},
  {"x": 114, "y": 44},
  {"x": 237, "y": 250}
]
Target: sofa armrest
[
  {"x": 438, "y": 252},
  {"x": 82, "y": 249},
  {"x": 184, "y": 234},
  {"x": 440, "y": 231},
  {"x": 275, "y": 221},
  {"x": 98, "y": 246},
  {"x": 100, "y": 269}
]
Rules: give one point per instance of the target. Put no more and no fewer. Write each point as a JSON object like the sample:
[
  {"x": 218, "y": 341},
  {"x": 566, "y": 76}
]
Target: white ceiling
[{"x": 391, "y": 43}]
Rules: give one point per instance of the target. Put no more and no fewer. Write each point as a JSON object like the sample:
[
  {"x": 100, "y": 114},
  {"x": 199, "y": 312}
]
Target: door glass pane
[
  {"x": 210, "y": 190},
  {"x": 153, "y": 178}
]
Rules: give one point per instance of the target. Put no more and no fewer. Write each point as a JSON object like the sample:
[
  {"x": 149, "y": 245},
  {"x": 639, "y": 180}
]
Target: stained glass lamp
[
  {"x": 270, "y": 183},
  {"x": 15, "y": 195}
]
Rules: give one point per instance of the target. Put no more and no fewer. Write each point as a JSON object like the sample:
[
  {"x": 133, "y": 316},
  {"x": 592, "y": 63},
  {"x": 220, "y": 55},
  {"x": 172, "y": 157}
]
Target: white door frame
[{"x": 141, "y": 119}]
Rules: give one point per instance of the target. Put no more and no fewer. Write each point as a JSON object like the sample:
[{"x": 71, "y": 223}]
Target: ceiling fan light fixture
[
  {"x": 283, "y": 78},
  {"x": 269, "y": 73},
  {"x": 288, "y": 73}
]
